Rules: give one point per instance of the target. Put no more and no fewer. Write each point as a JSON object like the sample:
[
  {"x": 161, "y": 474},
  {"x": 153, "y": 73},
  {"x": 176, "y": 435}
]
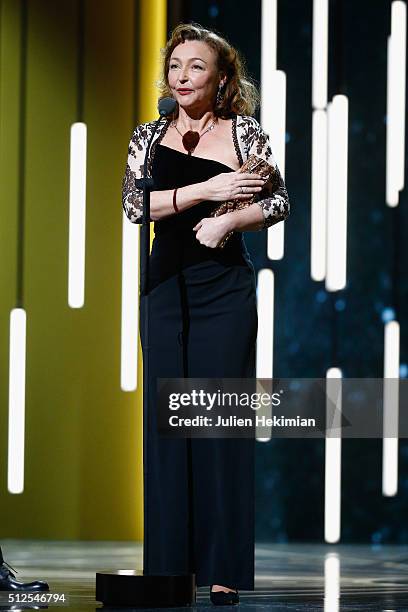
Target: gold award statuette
[{"x": 253, "y": 165}]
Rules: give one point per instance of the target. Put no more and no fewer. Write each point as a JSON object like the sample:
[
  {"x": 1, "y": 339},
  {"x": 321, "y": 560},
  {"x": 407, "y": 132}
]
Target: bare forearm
[
  {"x": 247, "y": 219},
  {"x": 161, "y": 202}
]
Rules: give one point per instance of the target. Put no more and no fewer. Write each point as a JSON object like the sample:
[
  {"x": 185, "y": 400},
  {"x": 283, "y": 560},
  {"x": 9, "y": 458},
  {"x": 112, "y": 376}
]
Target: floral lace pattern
[
  {"x": 274, "y": 202},
  {"x": 248, "y": 137},
  {"x": 132, "y": 198}
]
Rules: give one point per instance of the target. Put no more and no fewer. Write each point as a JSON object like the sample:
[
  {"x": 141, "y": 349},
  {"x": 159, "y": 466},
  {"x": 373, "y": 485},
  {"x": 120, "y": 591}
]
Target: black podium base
[{"x": 133, "y": 588}]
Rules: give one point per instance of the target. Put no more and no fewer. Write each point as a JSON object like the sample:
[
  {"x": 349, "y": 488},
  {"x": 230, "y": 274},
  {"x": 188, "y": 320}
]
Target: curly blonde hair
[{"x": 239, "y": 96}]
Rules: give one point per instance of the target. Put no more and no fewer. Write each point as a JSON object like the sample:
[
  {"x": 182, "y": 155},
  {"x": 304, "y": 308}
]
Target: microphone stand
[
  {"x": 130, "y": 587},
  {"x": 147, "y": 184}
]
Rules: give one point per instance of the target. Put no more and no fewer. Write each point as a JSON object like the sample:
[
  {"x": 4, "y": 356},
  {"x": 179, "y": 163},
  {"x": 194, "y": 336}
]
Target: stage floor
[{"x": 288, "y": 576}]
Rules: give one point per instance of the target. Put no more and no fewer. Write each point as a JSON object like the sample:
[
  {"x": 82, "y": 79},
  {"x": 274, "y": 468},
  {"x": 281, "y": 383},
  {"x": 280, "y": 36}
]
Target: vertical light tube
[
  {"x": 274, "y": 123},
  {"x": 391, "y": 191},
  {"x": 320, "y": 53},
  {"x": 336, "y": 247},
  {"x": 318, "y": 239},
  {"x": 264, "y": 343},
  {"x": 130, "y": 305},
  {"x": 396, "y": 84},
  {"x": 319, "y": 196},
  {"x": 391, "y": 408},
  {"x": 16, "y": 423},
  {"x": 331, "y": 582},
  {"x": 269, "y": 25},
  {"x": 273, "y": 109},
  {"x": 269, "y": 96},
  {"x": 332, "y": 492},
  {"x": 399, "y": 26},
  {"x": 77, "y": 215}
]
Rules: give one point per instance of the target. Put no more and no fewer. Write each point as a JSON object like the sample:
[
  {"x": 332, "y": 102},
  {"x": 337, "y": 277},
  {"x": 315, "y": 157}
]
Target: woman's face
[{"x": 193, "y": 74}]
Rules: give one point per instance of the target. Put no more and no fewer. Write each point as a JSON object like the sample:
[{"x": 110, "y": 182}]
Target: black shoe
[
  {"x": 7, "y": 582},
  {"x": 221, "y": 598}
]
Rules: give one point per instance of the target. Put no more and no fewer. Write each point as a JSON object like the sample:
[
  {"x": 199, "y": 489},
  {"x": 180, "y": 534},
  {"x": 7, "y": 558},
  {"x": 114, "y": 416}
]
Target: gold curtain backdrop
[{"x": 83, "y": 450}]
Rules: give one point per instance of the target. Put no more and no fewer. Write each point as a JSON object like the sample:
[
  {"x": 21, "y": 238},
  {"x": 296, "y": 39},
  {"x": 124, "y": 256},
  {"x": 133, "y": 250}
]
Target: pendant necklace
[{"x": 191, "y": 138}]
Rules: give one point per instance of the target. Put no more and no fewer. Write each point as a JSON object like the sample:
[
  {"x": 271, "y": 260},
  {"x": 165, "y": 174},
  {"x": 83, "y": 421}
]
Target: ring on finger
[{"x": 242, "y": 189}]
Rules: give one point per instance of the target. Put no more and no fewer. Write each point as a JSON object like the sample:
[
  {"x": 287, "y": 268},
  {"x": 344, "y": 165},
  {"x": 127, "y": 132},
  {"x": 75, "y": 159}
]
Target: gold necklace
[{"x": 191, "y": 138}]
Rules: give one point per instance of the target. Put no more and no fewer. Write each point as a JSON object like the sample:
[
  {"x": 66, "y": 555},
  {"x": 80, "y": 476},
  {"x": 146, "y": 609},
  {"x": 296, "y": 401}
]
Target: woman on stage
[{"x": 199, "y": 492}]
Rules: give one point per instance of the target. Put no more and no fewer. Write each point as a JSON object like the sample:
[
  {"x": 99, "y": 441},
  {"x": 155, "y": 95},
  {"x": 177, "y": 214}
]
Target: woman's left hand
[{"x": 211, "y": 230}]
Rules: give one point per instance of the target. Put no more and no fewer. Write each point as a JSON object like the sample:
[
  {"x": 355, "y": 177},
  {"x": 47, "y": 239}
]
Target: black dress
[{"x": 198, "y": 492}]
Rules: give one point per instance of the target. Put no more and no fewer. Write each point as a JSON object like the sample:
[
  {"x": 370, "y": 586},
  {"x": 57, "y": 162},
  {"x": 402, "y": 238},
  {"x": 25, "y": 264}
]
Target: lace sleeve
[
  {"x": 274, "y": 201},
  {"x": 132, "y": 198}
]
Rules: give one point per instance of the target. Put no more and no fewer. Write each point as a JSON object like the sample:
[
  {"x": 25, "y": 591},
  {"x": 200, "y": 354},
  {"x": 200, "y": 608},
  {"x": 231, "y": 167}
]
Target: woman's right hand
[{"x": 232, "y": 186}]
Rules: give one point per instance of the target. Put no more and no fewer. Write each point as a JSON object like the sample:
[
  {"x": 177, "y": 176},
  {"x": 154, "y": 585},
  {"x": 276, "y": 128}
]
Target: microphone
[{"x": 166, "y": 106}]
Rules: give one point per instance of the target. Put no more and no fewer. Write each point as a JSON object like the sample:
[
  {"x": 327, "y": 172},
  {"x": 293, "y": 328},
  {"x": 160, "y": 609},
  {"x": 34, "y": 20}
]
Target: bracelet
[{"x": 174, "y": 200}]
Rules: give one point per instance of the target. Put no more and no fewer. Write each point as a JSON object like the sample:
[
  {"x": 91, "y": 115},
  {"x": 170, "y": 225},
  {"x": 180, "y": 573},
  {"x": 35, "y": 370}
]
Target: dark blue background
[{"x": 315, "y": 330}]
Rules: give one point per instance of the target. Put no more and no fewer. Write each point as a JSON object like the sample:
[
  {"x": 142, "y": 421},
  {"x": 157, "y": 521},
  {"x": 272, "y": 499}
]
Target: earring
[{"x": 219, "y": 95}]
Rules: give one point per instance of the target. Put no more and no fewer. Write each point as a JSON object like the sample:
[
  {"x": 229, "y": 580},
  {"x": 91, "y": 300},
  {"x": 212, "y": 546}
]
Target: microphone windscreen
[{"x": 166, "y": 106}]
